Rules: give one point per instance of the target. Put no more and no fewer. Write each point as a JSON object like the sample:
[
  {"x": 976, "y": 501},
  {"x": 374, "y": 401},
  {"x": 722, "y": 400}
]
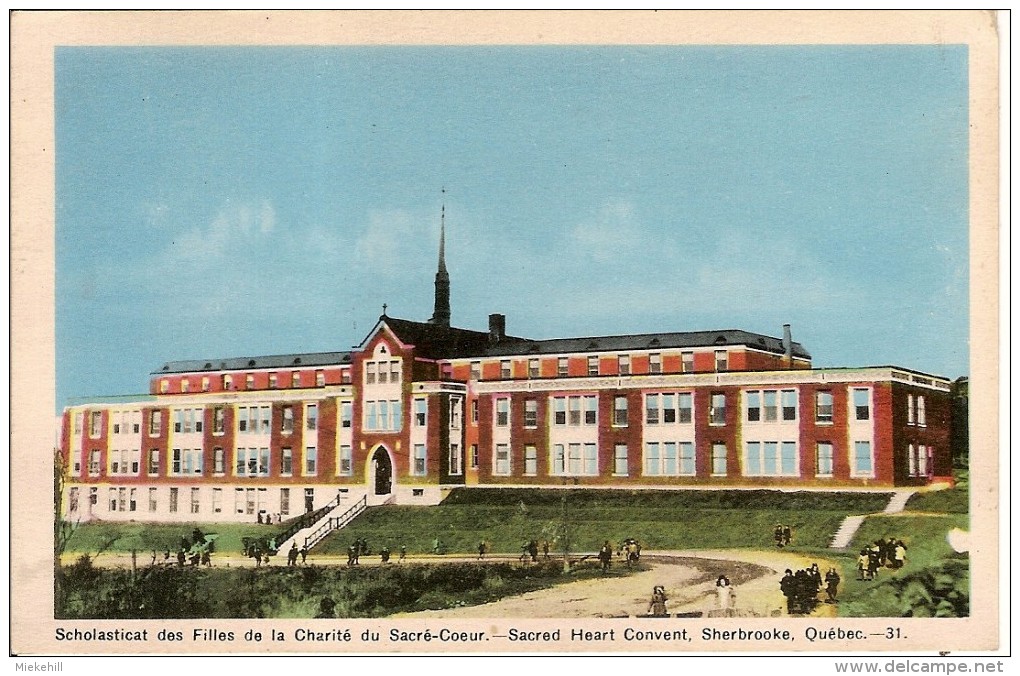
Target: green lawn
[
  {"x": 659, "y": 519},
  {"x": 954, "y": 500},
  {"x": 928, "y": 556},
  {"x": 146, "y": 537}
]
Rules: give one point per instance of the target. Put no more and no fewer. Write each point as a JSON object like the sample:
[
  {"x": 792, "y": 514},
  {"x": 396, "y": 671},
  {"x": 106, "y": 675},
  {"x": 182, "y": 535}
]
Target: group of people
[
  {"x": 630, "y": 549},
  {"x": 801, "y": 588},
  {"x": 360, "y": 547},
  {"x": 528, "y": 550},
  {"x": 269, "y": 519},
  {"x": 197, "y": 550},
  {"x": 292, "y": 555},
  {"x": 783, "y": 535},
  {"x": 880, "y": 554}
]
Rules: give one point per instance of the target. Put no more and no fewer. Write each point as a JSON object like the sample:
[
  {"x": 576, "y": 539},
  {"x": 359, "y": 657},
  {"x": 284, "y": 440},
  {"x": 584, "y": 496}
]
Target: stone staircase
[
  {"x": 845, "y": 534},
  {"x": 328, "y": 522}
]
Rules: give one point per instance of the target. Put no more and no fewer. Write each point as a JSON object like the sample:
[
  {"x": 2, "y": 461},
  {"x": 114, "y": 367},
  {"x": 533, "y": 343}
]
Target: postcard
[{"x": 504, "y": 333}]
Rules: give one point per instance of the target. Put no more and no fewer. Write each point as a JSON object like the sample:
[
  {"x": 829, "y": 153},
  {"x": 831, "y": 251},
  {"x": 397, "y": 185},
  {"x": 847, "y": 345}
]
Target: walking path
[{"x": 845, "y": 534}]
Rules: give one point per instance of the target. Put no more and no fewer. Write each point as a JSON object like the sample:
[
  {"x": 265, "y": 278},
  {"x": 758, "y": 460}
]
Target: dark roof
[
  {"x": 280, "y": 361},
  {"x": 439, "y": 342},
  {"x": 434, "y": 341}
]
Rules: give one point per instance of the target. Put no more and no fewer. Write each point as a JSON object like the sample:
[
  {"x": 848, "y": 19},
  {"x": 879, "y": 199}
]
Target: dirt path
[{"x": 689, "y": 578}]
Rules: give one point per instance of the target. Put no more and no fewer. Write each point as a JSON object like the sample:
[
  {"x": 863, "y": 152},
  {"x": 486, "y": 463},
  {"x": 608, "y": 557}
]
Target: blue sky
[{"x": 216, "y": 202}]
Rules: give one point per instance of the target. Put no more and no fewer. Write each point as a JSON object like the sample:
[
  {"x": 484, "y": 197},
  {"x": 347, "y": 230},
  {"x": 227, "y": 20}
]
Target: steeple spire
[{"x": 441, "y": 314}]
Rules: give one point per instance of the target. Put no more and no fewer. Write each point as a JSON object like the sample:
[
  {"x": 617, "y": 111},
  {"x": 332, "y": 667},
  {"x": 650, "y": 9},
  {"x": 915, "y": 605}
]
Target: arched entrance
[{"x": 382, "y": 472}]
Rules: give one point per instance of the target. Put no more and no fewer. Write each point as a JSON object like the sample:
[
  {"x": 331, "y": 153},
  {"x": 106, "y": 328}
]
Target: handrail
[
  {"x": 336, "y": 523},
  {"x": 307, "y": 519}
]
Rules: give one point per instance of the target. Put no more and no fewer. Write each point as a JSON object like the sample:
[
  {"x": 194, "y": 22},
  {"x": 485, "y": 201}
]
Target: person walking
[
  {"x": 606, "y": 556},
  {"x": 292, "y": 555},
  {"x": 657, "y": 606},
  {"x": 724, "y": 592},
  {"x": 403, "y": 553},
  {"x": 831, "y": 585},
  {"x": 481, "y": 549},
  {"x": 304, "y": 554},
  {"x": 788, "y": 585}
]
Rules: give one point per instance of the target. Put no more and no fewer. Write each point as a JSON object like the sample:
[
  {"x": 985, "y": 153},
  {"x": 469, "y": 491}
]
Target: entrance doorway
[{"x": 382, "y": 472}]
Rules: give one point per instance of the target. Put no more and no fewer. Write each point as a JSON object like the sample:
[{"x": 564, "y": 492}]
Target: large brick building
[{"x": 422, "y": 407}]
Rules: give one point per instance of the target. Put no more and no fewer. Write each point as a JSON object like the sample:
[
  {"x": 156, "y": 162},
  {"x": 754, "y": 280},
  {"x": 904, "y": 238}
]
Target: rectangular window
[
  {"x": 113, "y": 499},
  {"x": 823, "y": 459},
  {"x": 72, "y": 500},
  {"x": 922, "y": 416},
  {"x": 770, "y": 457},
  {"x": 272, "y": 381},
  {"x": 789, "y": 403},
  {"x": 153, "y": 467},
  {"x": 620, "y": 411},
  {"x": 346, "y": 414},
  {"x": 623, "y": 364},
  {"x": 533, "y": 368},
  {"x": 574, "y": 410},
  {"x": 227, "y": 382},
  {"x": 823, "y": 407},
  {"x": 455, "y": 460},
  {"x": 752, "y": 461},
  {"x": 311, "y": 457},
  {"x": 502, "y": 412},
  {"x": 562, "y": 367},
  {"x": 76, "y": 462},
  {"x": 79, "y": 420},
  {"x": 164, "y": 386},
  {"x": 655, "y": 363},
  {"x": 320, "y": 378},
  {"x": 862, "y": 404},
  {"x": 155, "y": 423},
  {"x": 153, "y": 500},
  {"x": 476, "y": 370},
  {"x": 371, "y": 416},
  {"x": 195, "y": 504},
  {"x": 95, "y": 424},
  {"x": 345, "y": 376},
  {"x": 311, "y": 417},
  {"x": 501, "y": 465},
  {"x": 249, "y": 381},
  {"x": 620, "y": 460},
  {"x": 574, "y": 458},
  {"x": 753, "y": 406},
  {"x": 218, "y": 464},
  {"x": 593, "y": 365},
  {"x": 559, "y": 460},
  {"x": 717, "y": 412},
  {"x": 911, "y": 411},
  {"x": 771, "y": 405},
  {"x": 687, "y": 362},
  {"x": 395, "y": 371},
  {"x": 217, "y": 500},
  {"x": 669, "y": 458},
  {"x": 530, "y": 460},
  {"x": 284, "y": 501},
  {"x": 133, "y": 500},
  {"x": 669, "y": 408},
  {"x": 94, "y": 463},
  {"x": 346, "y": 464},
  {"x": 287, "y": 424},
  {"x": 788, "y": 458},
  {"x": 531, "y": 413},
  {"x": 295, "y": 379},
  {"x": 420, "y": 411},
  {"x": 455, "y": 413},
  {"x": 685, "y": 407},
  {"x": 721, "y": 360},
  {"x": 719, "y": 459},
  {"x": 591, "y": 459},
  {"x": 652, "y": 459},
  {"x": 863, "y": 464},
  {"x": 173, "y": 500},
  {"x": 286, "y": 462},
  {"x": 185, "y": 385},
  {"x": 652, "y": 409},
  {"x": 418, "y": 466},
  {"x": 504, "y": 369},
  {"x": 474, "y": 411},
  {"x": 219, "y": 418},
  {"x": 559, "y": 411},
  {"x": 370, "y": 371},
  {"x": 473, "y": 456},
  {"x": 686, "y": 449},
  {"x": 590, "y": 410}
]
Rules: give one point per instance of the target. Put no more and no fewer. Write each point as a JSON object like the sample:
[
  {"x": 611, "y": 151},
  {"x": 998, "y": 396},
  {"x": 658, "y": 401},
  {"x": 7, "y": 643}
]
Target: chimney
[
  {"x": 787, "y": 343},
  {"x": 497, "y": 328}
]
